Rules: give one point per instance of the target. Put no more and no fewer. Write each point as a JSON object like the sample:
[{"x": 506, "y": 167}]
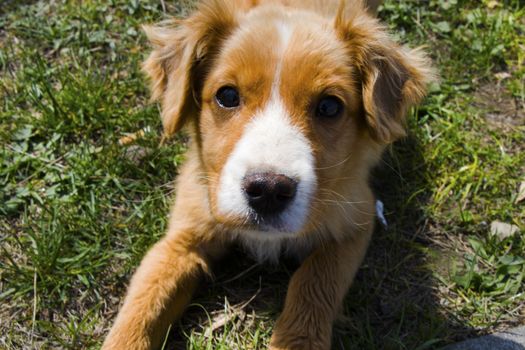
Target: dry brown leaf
[
  {"x": 492, "y": 4},
  {"x": 502, "y": 229},
  {"x": 502, "y": 75},
  {"x": 521, "y": 192},
  {"x": 130, "y": 138}
]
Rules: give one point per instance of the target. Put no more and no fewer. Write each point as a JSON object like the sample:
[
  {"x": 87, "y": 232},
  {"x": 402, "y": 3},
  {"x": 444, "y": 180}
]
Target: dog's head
[{"x": 288, "y": 106}]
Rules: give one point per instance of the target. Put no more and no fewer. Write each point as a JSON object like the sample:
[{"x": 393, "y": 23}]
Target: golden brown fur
[{"x": 229, "y": 42}]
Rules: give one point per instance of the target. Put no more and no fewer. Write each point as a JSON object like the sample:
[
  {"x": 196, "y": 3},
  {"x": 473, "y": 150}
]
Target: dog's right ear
[{"x": 181, "y": 55}]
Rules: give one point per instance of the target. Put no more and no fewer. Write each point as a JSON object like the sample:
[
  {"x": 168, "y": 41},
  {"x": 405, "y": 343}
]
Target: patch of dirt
[{"x": 503, "y": 111}]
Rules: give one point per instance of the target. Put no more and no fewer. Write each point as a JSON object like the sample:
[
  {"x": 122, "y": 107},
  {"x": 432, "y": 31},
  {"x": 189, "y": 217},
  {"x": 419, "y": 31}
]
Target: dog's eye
[
  {"x": 329, "y": 107},
  {"x": 228, "y": 97}
]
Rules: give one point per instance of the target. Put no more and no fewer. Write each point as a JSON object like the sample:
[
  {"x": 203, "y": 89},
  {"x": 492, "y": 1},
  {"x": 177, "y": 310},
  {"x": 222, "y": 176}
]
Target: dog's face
[
  {"x": 278, "y": 105},
  {"x": 290, "y": 109}
]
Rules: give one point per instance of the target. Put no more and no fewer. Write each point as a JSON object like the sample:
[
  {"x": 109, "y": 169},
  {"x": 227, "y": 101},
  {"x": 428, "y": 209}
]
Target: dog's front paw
[
  {"x": 309, "y": 329},
  {"x": 299, "y": 340},
  {"x": 300, "y": 343},
  {"x": 130, "y": 338}
]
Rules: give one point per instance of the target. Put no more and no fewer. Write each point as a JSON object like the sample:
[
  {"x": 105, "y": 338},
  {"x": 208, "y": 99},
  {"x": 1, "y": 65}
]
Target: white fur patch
[
  {"x": 285, "y": 34},
  {"x": 270, "y": 143},
  {"x": 265, "y": 248}
]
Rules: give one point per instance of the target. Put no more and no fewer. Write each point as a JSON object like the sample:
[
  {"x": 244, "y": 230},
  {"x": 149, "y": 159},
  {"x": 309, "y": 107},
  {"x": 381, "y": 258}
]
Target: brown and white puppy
[{"x": 289, "y": 104}]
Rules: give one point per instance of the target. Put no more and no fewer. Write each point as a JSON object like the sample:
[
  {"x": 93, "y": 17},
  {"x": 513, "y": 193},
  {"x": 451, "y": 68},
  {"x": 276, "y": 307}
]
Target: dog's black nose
[{"x": 269, "y": 193}]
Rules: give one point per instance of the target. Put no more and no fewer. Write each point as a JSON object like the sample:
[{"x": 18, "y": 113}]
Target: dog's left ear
[{"x": 393, "y": 78}]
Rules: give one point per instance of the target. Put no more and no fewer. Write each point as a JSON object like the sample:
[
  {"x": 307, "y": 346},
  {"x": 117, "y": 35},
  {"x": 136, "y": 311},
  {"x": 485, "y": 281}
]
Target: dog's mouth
[
  {"x": 269, "y": 224},
  {"x": 254, "y": 223},
  {"x": 267, "y": 202}
]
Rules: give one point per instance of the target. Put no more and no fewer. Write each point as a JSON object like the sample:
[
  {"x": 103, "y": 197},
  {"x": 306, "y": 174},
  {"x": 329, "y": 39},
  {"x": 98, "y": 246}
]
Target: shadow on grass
[
  {"x": 393, "y": 303},
  {"x": 12, "y": 5}
]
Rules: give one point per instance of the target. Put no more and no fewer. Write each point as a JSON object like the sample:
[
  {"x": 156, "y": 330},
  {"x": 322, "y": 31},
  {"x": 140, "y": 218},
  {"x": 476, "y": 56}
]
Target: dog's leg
[
  {"x": 316, "y": 293},
  {"x": 158, "y": 293}
]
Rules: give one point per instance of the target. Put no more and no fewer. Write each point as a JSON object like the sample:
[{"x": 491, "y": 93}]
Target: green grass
[{"x": 78, "y": 210}]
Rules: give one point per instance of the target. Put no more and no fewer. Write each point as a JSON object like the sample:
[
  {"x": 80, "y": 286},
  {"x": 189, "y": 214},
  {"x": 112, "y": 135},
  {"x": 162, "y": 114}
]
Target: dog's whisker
[
  {"x": 346, "y": 159},
  {"x": 345, "y": 201}
]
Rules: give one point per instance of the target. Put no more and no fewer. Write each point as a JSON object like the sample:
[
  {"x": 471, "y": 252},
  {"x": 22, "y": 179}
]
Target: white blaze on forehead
[
  {"x": 270, "y": 143},
  {"x": 285, "y": 33}
]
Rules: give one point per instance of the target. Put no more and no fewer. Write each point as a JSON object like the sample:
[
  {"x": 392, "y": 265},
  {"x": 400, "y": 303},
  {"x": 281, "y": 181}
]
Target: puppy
[{"x": 289, "y": 104}]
